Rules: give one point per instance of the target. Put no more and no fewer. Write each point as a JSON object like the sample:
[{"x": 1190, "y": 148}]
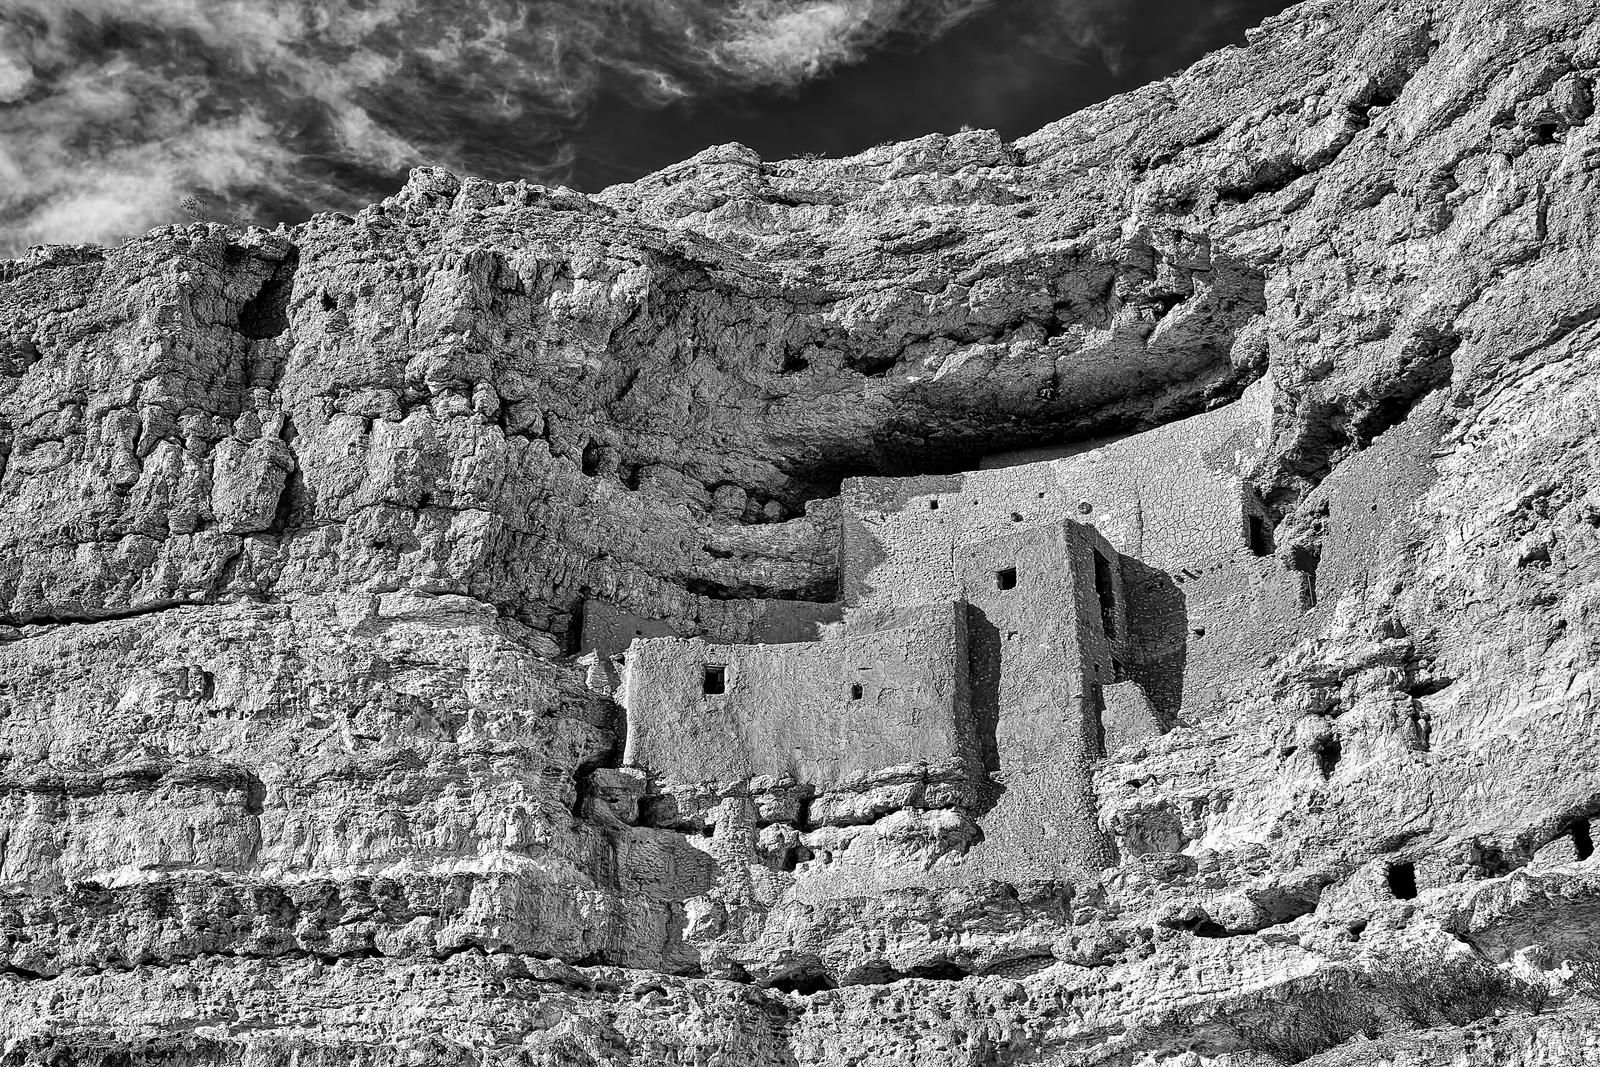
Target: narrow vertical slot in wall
[
  {"x": 1582, "y": 841},
  {"x": 1259, "y": 535},
  {"x": 1094, "y": 703},
  {"x": 1106, "y": 590}
]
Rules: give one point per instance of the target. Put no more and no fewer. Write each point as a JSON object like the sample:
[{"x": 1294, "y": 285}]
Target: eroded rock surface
[{"x": 329, "y": 558}]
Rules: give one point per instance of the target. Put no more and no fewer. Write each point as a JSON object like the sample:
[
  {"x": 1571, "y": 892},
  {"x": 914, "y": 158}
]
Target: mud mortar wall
[
  {"x": 831, "y": 714},
  {"x": 1039, "y": 653}
]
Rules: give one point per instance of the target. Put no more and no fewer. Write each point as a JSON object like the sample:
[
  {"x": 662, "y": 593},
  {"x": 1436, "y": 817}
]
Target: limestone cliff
[{"x": 321, "y": 553}]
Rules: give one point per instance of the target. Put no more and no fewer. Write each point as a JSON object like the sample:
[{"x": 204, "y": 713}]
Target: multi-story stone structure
[{"x": 994, "y": 633}]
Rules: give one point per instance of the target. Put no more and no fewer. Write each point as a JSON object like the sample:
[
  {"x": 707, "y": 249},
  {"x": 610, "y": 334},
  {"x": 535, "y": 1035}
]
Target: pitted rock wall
[{"x": 364, "y": 473}]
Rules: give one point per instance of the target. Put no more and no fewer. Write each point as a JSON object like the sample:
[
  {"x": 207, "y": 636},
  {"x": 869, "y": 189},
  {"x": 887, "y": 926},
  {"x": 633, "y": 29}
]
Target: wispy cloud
[{"x": 111, "y": 111}]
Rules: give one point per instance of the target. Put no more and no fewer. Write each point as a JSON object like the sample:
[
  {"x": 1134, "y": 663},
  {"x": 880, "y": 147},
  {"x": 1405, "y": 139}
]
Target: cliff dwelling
[
  {"x": 1120, "y": 595},
  {"x": 996, "y": 632}
]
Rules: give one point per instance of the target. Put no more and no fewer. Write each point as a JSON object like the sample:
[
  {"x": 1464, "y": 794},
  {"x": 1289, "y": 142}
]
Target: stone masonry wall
[
  {"x": 835, "y": 715},
  {"x": 608, "y": 630},
  {"x": 1177, "y": 500},
  {"x": 1170, "y": 496},
  {"x": 1039, "y": 651}
]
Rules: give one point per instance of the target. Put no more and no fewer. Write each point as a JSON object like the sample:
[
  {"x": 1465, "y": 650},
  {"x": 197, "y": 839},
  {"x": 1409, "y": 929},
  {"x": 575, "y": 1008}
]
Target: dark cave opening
[
  {"x": 804, "y": 982},
  {"x": 1403, "y": 879},
  {"x": 1582, "y": 840},
  {"x": 266, "y": 314},
  {"x": 1203, "y": 927}
]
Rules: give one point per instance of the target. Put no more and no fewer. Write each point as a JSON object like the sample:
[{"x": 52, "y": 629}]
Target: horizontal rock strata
[{"x": 322, "y": 552}]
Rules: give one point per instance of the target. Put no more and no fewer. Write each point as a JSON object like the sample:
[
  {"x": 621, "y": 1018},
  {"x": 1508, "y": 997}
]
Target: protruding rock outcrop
[{"x": 321, "y": 552}]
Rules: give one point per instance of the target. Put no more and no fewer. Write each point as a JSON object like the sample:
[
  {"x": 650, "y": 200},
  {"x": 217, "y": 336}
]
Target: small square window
[
  {"x": 855, "y": 691},
  {"x": 716, "y": 680},
  {"x": 933, "y": 505},
  {"x": 1006, "y": 579}
]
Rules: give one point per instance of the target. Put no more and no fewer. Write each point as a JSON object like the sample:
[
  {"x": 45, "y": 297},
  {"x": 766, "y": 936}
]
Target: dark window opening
[
  {"x": 1403, "y": 880},
  {"x": 1016, "y": 516},
  {"x": 716, "y": 680},
  {"x": 1259, "y": 535},
  {"x": 855, "y": 691},
  {"x": 802, "y": 814},
  {"x": 1095, "y": 701},
  {"x": 591, "y": 458},
  {"x": 574, "y": 634},
  {"x": 1006, "y": 579},
  {"x": 1107, "y": 592},
  {"x": 933, "y": 505},
  {"x": 1582, "y": 842},
  {"x": 1119, "y": 673}
]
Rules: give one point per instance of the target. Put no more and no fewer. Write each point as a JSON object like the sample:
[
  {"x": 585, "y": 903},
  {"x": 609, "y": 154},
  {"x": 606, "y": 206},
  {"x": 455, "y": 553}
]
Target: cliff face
[{"x": 304, "y": 538}]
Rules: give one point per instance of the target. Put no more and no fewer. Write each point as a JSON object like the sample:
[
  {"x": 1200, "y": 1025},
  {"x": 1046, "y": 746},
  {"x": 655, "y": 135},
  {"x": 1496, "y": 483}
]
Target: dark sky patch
[{"x": 113, "y": 113}]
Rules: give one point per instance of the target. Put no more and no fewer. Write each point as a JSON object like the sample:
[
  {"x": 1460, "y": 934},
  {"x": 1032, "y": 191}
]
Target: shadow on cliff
[
  {"x": 1158, "y": 637},
  {"x": 1157, "y": 651},
  {"x": 983, "y": 675}
]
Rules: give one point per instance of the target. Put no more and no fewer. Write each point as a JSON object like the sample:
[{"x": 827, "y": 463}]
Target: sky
[{"x": 120, "y": 115}]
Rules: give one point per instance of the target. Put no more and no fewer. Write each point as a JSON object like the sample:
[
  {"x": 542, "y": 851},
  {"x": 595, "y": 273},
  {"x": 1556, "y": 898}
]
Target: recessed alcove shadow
[
  {"x": 983, "y": 679},
  {"x": 1158, "y": 637}
]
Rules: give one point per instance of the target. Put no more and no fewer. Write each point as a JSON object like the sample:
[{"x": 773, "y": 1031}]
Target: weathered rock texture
[{"x": 303, "y": 758}]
